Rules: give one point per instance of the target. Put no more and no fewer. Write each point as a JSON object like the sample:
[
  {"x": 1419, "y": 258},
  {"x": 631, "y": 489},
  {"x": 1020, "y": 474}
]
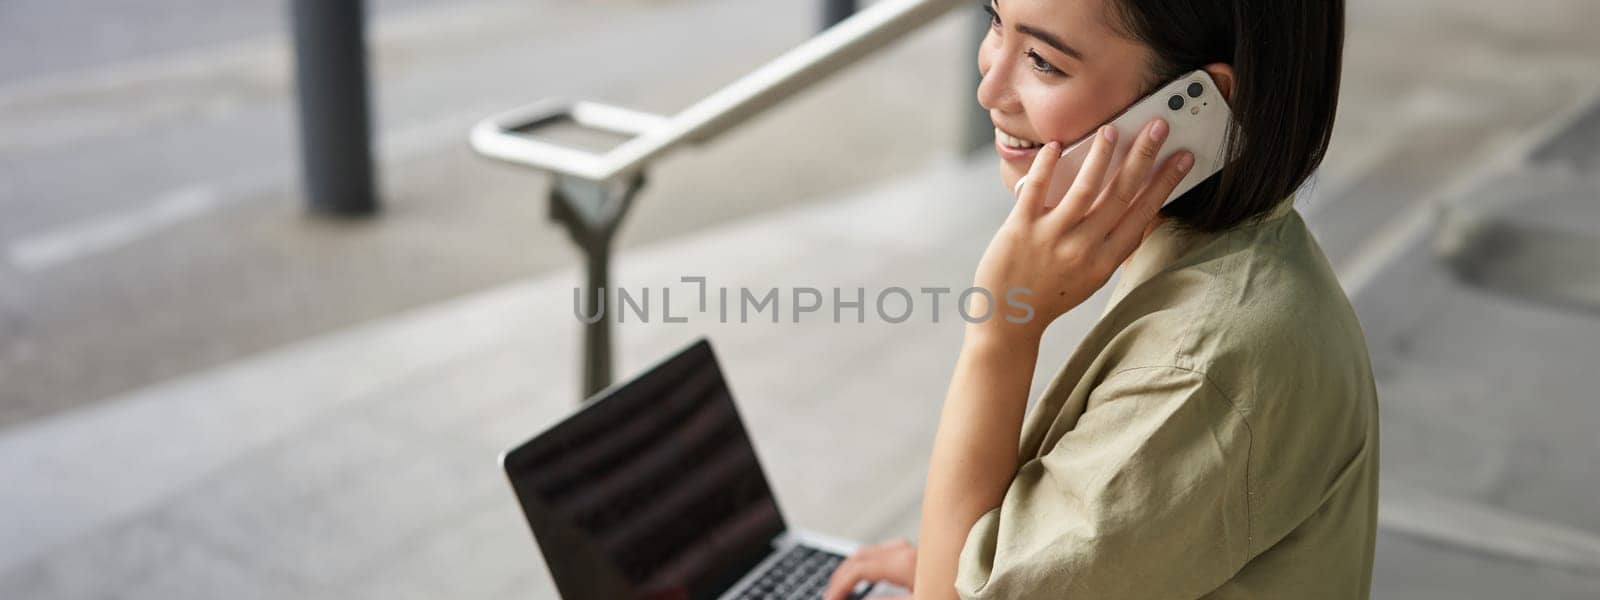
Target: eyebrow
[{"x": 1044, "y": 36}]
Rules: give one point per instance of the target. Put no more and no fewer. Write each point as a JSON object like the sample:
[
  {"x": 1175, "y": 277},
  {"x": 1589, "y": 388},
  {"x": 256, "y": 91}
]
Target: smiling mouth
[{"x": 1011, "y": 141}]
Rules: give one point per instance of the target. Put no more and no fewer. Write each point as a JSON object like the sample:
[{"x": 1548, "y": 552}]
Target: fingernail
[
  {"x": 1158, "y": 132},
  {"x": 1185, "y": 162},
  {"x": 1109, "y": 133}
]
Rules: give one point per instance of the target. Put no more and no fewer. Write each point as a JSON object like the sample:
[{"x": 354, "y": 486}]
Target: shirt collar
[{"x": 1165, "y": 245}]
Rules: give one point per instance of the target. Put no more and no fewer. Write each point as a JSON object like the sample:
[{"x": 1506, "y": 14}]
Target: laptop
[{"x": 651, "y": 490}]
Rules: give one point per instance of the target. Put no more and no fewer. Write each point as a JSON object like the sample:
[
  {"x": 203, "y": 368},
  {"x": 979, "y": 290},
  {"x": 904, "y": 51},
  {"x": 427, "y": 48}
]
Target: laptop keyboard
[{"x": 801, "y": 573}]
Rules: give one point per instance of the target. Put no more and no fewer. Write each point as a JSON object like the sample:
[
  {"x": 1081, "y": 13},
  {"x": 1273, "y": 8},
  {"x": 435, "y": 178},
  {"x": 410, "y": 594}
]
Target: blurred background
[{"x": 223, "y": 373}]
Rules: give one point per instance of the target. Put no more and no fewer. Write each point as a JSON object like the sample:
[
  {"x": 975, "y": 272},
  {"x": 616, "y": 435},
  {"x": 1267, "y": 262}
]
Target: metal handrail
[
  {"x": 593, "y": 192},
  {"x": 500, "y": 136}
]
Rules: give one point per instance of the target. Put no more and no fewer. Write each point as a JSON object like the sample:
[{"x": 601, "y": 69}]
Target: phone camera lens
[
  {"x": 1175, "y": 103},
  {"x": 1195, "y": 89}
]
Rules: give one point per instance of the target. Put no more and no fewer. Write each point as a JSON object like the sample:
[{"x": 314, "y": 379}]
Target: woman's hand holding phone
[{"x": 1061, "y": 255}]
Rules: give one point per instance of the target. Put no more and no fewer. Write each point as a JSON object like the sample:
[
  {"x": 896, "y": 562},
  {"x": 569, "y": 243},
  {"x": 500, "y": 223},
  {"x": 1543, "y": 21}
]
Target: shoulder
[
  {"x": 1252, "y": 308},
  {"x": 1257, "y": 319},
  {"x": 1260, "y": 315}
]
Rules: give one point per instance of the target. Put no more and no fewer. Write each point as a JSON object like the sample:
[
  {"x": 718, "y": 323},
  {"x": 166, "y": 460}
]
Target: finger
[
  {"x": 1130, "y": 177},
  {"x": 1086, "y": 185},
  {"x": 852, "y": 571},
  {"x": 1127, "y": 234},
  {"x": 1030, "y": 194},
  {"x": 850, "y": 592}
]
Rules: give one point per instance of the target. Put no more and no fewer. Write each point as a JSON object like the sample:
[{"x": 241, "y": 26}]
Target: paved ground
[{"x": 359, "y": 463}]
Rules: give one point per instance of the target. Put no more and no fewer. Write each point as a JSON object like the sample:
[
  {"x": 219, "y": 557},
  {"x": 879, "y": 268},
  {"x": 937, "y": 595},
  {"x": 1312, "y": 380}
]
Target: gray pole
[
  {"x": 597, "y": 335},
  {"x": 592, "y": 213},
  {"x": 834, "y": 11},
  {"x": 331, "y": 81},
  {"x": 979, "y": 134}
]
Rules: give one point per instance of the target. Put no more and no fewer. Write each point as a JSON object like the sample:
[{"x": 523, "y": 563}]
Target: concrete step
[{"x": 1482, "y": 327}]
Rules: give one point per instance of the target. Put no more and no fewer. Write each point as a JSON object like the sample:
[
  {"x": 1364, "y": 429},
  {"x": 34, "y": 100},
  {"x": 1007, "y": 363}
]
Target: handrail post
[{"x": 591, "y": 213}]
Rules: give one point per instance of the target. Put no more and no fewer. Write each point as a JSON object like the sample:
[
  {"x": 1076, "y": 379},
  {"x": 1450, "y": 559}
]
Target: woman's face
[{"x": 1039, "y": 92}]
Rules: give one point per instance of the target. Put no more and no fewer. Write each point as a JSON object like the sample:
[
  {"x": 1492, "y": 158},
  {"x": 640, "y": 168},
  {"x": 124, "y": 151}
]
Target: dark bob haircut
[{"x": 1286, "y": 57}]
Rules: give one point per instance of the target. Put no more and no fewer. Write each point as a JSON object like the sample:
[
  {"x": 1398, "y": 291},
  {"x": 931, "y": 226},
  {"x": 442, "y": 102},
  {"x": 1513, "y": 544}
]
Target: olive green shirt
[{"x": 1215, "y": 435}]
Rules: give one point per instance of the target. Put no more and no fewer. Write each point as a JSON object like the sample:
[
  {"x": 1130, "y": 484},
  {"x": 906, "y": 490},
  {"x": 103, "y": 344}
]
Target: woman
[{"x": 1215, "y": 434}]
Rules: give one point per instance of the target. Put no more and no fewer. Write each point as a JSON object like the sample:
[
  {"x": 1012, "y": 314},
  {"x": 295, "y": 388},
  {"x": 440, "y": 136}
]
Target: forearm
[{"x": 975, "y": 449}]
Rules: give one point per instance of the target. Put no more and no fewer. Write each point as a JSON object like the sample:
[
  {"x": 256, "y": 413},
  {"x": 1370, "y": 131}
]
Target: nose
[{"x": 994, "y": 82}]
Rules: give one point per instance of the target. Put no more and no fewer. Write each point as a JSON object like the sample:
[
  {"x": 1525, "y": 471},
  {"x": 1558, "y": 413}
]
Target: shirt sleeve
[{"x": 1145, "y": 497}]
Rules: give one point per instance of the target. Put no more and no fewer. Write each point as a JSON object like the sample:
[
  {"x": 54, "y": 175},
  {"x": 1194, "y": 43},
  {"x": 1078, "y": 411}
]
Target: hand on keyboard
[{"x": 894, "y": 562}]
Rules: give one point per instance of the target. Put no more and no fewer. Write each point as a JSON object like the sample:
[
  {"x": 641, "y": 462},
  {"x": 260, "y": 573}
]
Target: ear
[{"x": 1222, "y": 73}]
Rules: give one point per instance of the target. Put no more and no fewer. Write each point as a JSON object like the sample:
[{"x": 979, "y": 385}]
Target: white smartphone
[{"x": 1198, "y": 120}]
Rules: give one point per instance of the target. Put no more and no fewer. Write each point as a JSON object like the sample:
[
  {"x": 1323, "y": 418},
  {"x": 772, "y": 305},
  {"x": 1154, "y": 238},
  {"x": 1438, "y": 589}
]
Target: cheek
[{"x": 1062, "y": 117}]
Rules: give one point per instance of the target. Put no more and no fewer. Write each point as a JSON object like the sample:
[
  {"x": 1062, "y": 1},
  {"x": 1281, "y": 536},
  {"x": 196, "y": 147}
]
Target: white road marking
[
  {"x": 1411, "y": 510},
  {"x": 97, "y": 235},
  {"x": 101, "y": 234}
]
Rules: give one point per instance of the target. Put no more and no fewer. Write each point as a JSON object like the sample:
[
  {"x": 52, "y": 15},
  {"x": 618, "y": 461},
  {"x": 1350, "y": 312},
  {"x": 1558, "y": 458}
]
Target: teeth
[{"x": 1014, "y": 142}]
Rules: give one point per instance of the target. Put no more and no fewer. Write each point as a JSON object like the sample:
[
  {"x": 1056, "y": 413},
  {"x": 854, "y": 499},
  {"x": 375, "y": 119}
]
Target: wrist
[
  {"x": 997, "y": 326},
  {"x": 1003, "y": 336}
]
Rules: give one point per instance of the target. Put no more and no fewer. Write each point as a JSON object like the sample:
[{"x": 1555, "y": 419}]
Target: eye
[
  {"x": 994, "y": 17},
  {"x": 1039, "y": 63}
]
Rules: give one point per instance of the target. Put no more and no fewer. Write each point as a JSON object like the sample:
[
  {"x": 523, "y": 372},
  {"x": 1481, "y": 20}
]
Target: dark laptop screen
[{"x": 652, "y": 490}]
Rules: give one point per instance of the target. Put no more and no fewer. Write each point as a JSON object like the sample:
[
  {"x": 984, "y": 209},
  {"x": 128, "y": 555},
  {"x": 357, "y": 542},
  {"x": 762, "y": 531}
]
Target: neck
[
  {"x": 1154, "y": 223},
  {"x": 1148, "y": 229}
]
